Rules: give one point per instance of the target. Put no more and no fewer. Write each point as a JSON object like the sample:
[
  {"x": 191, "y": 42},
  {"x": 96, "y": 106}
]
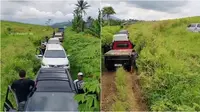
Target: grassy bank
[
  {"x": 169, "y": 63},
  {"x": 18, "y": 45}
]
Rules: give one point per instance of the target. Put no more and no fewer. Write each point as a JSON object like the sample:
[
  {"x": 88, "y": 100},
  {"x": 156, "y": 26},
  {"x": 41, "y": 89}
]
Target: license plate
[{"x": 118, "y": 64}]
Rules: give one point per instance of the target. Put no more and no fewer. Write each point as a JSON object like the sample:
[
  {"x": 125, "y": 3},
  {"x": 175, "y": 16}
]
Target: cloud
[
  {"x": 154, "y": 10},
  {"x": 164, "y": 6},
  {"x": 36, "y": 11}
]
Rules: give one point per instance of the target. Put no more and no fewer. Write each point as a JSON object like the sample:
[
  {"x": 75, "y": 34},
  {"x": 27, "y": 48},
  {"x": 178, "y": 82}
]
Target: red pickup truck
[{"x": 120, "y": 53}]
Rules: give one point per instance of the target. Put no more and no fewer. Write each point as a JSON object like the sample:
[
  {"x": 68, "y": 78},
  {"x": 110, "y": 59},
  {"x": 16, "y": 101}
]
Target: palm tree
[
  {"x": 82, "y": 5},
  {"x": 107, "y": 11}
]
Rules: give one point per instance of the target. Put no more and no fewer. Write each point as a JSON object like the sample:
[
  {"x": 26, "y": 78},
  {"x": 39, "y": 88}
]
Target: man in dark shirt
[
  {"x": 134, "y": 56},
  {"x": 22, "y": 87}
]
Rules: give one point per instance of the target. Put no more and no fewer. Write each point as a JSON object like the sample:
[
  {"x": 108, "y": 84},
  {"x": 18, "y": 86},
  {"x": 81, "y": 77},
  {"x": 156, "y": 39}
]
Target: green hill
[{"x": 169, "y": 63}]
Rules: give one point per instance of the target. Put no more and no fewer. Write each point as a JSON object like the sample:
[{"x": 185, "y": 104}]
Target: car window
[
  {"x": 52, "y": 101},
  {"x": 53, "y": 42},
  {"x": 123, "y": 45},
  {"x": 54, "y": 54},
  {"x": 193, "y": 25},
  {"x": 198, "y": 25},
  {"x": 53, "y": 85},
  {"x": 57, "y": 35}
]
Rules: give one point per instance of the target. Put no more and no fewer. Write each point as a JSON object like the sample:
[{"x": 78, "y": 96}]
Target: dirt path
[
  {"x": 136, "y": 101},
  {"x": 108, "y": 90}
]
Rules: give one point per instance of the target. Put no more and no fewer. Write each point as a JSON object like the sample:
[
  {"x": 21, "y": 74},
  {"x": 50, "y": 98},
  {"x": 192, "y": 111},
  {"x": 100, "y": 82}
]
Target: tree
[
  {"x": 107, "y": 11},
  {"x": 81, "y": 7}
]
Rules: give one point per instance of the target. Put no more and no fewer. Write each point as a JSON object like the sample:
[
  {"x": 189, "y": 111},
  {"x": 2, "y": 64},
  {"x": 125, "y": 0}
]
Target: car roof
[
  {"x": 120, "y": 37},
  {"x": 54, "y": 47},
  {"x": 54, "y": 39},
  {"x": 124, "y": 31},
  {"x": 54, "y": 79},
  {"x": 58, "y": 33}
]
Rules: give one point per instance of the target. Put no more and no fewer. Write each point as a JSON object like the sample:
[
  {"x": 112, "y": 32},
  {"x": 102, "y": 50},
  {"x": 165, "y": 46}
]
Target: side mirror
[{"x": 39, "y": 56}]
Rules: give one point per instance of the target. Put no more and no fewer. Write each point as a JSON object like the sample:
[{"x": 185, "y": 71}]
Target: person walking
[
  {"x": 134, "y": 56},
  {"x": 22, "y": 88}
]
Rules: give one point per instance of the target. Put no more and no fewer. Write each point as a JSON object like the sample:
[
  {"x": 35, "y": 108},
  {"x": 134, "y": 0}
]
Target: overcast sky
[
  {"x": 37, "y": 11},
  {"x": 154, "y": 10}
]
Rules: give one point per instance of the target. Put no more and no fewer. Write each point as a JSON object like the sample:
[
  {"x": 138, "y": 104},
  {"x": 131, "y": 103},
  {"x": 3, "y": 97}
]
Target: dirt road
[
  {"x": 108, "y": 90},
  {"x": 136, "y": 101}
]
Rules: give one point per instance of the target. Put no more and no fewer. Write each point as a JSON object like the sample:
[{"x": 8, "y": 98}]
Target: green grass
[
  {"x": 121, "y": 98},
  {"x": 169, "y": 63},
  {"x": 18, "y": 45}
]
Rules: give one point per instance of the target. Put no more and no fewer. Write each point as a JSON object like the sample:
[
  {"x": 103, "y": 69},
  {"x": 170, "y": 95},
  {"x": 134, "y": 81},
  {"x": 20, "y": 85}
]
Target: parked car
[
  {"x": 54, "y": 56},
  {"x": 53, "y": 41},
  {"x": 120, "y": 53},
  {"x": 59, "y": 35},
  {"x": 54, "y": 91},
  {"x": 194, "y": 27}
]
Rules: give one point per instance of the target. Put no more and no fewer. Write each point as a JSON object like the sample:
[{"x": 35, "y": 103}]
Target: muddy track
[
  {"x": 108, "y": 90},
  {"x": 136, "y": 100}
]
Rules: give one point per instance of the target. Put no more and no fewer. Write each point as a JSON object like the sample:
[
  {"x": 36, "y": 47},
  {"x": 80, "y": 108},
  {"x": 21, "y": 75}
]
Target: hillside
[
  {"x": 169, "y": 63},
  {"x": 18, "y": 45}
]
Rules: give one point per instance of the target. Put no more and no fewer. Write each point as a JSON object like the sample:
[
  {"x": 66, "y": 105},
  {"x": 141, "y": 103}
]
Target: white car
[
  {"x": 59, "y": 35},
  {"x": 54, "y": 41},
  {"x": 194, "y": 27},
  {"x": 120, "y": 37},
  {"x": 55, "y": 56}
]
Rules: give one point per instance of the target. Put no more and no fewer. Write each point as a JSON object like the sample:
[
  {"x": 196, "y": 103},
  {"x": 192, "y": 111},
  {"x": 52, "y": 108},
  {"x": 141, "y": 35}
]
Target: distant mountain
[
  {"x": 111, "y": 17},
  {"x": 62, "y": 24}
]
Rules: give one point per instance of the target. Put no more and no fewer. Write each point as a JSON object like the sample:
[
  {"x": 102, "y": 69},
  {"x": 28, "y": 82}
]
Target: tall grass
[
  {"x": 121, "y": 98},
  {"x": 18, "y": 45},
  {"x": 169, "y": 63}
]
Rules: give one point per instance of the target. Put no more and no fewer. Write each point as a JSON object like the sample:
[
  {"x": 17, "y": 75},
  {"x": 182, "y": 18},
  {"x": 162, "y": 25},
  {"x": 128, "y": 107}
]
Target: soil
[
  {"x": 108, "y": 90},
  {"x": 136, "y": 101}
]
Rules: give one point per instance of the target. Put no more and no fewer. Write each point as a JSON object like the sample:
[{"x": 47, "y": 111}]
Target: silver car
[{"x": 194, "y": 27}]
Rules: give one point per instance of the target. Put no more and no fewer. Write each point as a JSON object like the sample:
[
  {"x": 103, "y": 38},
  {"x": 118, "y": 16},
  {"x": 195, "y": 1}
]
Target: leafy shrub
[{"x": 88, "y": 63}]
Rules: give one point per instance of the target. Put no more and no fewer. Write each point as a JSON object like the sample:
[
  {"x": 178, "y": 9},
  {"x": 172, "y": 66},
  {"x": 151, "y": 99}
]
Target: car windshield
[
  {"x": 52, "y": 101},
  {"x": 54, "y": 54},
  {"x": 57, "y": 35},
  {"x": 122, "y": 45},
  {"x": 53, "y": 42}
]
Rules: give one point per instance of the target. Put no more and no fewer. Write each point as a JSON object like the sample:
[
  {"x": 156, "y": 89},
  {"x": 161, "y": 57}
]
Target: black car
[{"x": 54, "y": 92}]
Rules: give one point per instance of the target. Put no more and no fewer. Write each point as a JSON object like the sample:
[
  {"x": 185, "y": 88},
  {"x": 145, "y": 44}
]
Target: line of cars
[{"x": 54, "y": 88}]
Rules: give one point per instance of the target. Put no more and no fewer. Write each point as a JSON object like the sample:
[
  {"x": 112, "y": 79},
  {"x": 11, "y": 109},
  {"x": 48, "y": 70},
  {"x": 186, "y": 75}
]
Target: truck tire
[
  {"x": 127, "y": 67},
  {"x": 110, "y": 66}
]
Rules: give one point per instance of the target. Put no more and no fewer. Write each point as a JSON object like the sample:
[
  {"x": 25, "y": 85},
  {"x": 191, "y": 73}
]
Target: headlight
[{"x": 43, "y": 64}]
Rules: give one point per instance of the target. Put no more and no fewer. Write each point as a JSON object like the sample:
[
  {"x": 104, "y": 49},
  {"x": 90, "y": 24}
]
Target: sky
[{"x": 37, "y": 11}]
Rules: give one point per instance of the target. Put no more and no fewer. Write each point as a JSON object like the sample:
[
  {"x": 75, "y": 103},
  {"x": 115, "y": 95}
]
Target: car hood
[{"x": 55, "y": 61}]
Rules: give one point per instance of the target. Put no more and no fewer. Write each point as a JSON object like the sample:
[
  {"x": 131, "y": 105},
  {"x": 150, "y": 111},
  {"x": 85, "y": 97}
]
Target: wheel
[{"x": 109, "y": 66}]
